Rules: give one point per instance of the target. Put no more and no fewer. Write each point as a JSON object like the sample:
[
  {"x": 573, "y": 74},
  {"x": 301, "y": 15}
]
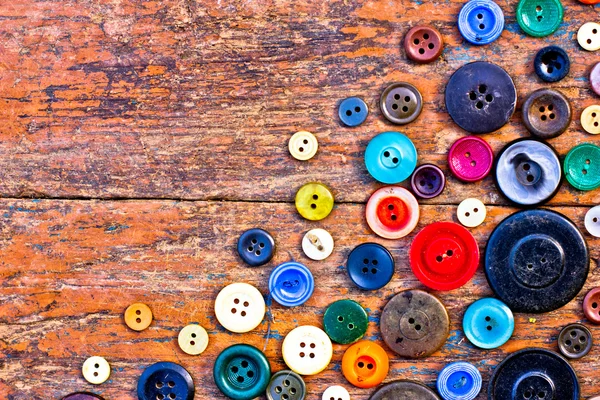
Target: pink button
[
  {"x": 595, "y": 79},
  {"x": 470, "y": 158}
]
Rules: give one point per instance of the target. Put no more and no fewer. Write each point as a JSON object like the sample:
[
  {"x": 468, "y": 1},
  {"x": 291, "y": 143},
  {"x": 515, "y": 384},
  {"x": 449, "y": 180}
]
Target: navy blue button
[
  {"x": 488, "y": 323},
  {"x": 390, "y": 157},
  {"x": 256, "y": 247},
  {"x": 353, "y": 111},
  {"x": 551, "y": 64},
  {"x": 241, "y": 372},
  {"x": 165, "y": 380},
  {"x": 480, "y": 21},
  {"x": 459, "y": 381},
  {"x": 370, "y": 266},
  {"x": 291, "y": 284}
]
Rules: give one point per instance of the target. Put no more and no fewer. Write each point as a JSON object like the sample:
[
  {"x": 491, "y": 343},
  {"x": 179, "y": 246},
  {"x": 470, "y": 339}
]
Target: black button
[
  {"x": 480, "y": 97},
  {"x": 370, "y": 266},
  {"x": 536, "y": 261},
  {"x": 575, "y": 341},
  {"x": 404, "y": 390},
  {"x": 428, "y": 181},
  {"x": 551, "y": 64},
  {"x": 401, "y": 103},
  {"x": 256, "y": 247},
  {"x": 82, "y": 396},
  {"x": 546, "y": 113},
  {"x": 286, "y": 385},
  {"x": 165, "y": 381}
]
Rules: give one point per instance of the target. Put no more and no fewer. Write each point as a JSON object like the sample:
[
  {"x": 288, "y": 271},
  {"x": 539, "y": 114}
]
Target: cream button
[
  {"x": 471, "y": 212},
  {"x": 96, "y": 370},
  {"x": 307, "y": 350},
  {"x": 590, "y": 119},
  {"x": 588, "y": 36},
  {"x": 317, "y": 244},
  {"x": 240, "y": 307},
  {"x": 303, "y": 145},
  {"x": 336, "y": 393},
  {"x": 193, "y": 339}
]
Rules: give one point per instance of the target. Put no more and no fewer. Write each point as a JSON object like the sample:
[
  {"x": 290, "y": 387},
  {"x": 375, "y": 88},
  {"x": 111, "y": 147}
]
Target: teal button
[
  {"x": 582, "y": 166},
  {"x": 345, "y": 321},
  {"x": 539, "y": 18},
  {"x": 242, "y": 372}
]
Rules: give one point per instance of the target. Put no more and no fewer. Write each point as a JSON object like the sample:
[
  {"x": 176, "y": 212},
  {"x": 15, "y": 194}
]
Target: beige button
[
  {"x": 471, "y": 212},
  {"x": 307, "y": 350},
  {"x": 588, "y": 36},
  {"x": 96, "y": 370},
  {"x": 317, "y": 244},
  {"x": 138, "y": 316},
  {"x": 240, "y": 307},
  {"x": 336, "y": 393},
  {"x": 193, "y": 339},
  {"x": 303, "y": 145},
  {"x": 590, "y": 119}
]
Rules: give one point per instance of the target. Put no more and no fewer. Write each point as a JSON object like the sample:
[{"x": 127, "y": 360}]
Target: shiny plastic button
[
  {"x": 390, "y": 157},
  {"x": 459, "y": 381},
  {"x": 582, "y": 166},
  {"x": 404, "y": 390},
  {"x": 314, "y": 201},
  {"x": 539, "y": 18},
  {"x": 82, "y": 396},
  {"x": 590, "y": 119},
  {"x": 286, "y": 385},
  {"x": 303, "y": 145},
  {"x": 370, "y": 266},
  {"x": 392, "y": 212},
  {"x": 590, "y": 2},
  {"x": 423, "y": 44},
  {"x": 470, "y": 159},
  {"x": 240, "y": 307},
  {"x": 307, "y": 350},
  {"x": 488, "y": 323},
  {"x": 575, "y": 341},
  {"x": 165, "y": 380},
  {"x": 595, "y": 79},
  {"x": 471, "y": 212},
  {"x": 588, "y": 36},
  {"x": 551, "y": 64},
  {"x": 138, "y": 316},
  {"x": 401, "y": 103},
  {"x": 365, "y": 364},
  {"x": 428, "y": 181},
  {"x": 345, "y": 321},
  {"x": 353, "y": 111},
  {"x": 193, "y": 339},
  {"x": 592, "y": 221},
  {"x": 336, "y": 393},
  {"x": 546, "y": 113},
  {"x": 96, "y": 370},
  {"x": 291, "y": 284},
  {"x": 317, "y": 244},
  {"x": 256, "y": 247},
  {"x": 480, "y": 21},
  {"x": 591, "y": 306},
  {"x": 242, "y": 372}
]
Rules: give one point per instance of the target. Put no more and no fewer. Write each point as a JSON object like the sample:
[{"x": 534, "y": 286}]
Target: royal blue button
[
  {"x": 480, "y": 21},
  {"x": 165, "y": 380},
  {"x": 256, "y": 247},
  {"x": 370, "y": 266},
  {"x": 551, "y": 63},
  {"x": 353, "y": 111},
  {"x": 391, "y": 157},
  {"x": 459, "y": 381},
  {"x": 291, "y": 284},
  {"x": 488, "y": 323}
]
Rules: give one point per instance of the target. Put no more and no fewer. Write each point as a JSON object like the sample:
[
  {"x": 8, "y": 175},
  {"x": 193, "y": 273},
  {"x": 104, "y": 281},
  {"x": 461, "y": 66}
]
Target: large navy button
[
  {"x": 241, "y": 372},
  {"x": 551, "y": 64},
  {"x": 291, "y": 284},
  {"x": 256, "y": 247},
  {"x": 404, "y": 390},
  {"x": 546, "y": 113},
  {"x": 370, "y": 266},
  {"x": 536, "y": 261},
  {"x": 353, "y": 111},
  {"x": 165, "y": 381},
  {"x": 480, "y": 21}
]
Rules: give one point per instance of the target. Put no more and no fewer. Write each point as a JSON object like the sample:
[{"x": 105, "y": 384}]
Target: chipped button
[
  {"x": 423, "y": 44},
  {"x": 314, "y": 201},
  {"x": 240, "y": 307},
  {"x": 392, "y": 212},
  {"x": 138, "y": 316},
  {"x": 96, "y": 370},
  {"x": 193, "y": 339},
  {"x": 307, "y": 350},
  {"x": 401, "y": 103},
  {"x": 317, "y": 244},
  {"x": 365, "y": 364}
]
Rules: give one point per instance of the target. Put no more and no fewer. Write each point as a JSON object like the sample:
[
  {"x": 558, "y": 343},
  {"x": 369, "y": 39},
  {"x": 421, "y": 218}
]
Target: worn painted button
[
  {"x": 536, "y": 261},
  {"x": 480, "y": 97},
  {"x": 314, "y": 201},
  {"x": 459, "y": 381},
  {"x": 582, "y": 166},
  {"x": 551, "y": 64},
  {"x": 370, "y": 266},
  {"x": 590, "y": 119},
  {"x": 291, "y": 284},
  {"x": 471, "y": 212},
  {"x": 390, "y": 157},
  {"x": 336, "y": 393},
  {"x": 414, "y": 323},
  {"x": 345, "y": 321},
  {"x": 535, "y": 374},
  {"x": 539, "y": 18},
  {"x": 423, "y": 44},
  {"x": 575, "y": 341},
  {"x": 588, "y": 36},
  {"x": 82, "y": 396},
  {"x": 193, "y": 339},
  {"x": 528, "y": 172},
  {"x": 480, "y": 21},
  {"x": 470, "y": 159},
  {"x": 286, "y": 385},
  {"x": 365, "y": 364},
  {"x": 444, "y": 256},
  {"x": 317, "y": 244},
  {"x": 95, "y": 370},
  {"x": 591, "y": 305},
  {"x": 488, "y": 323},
  {"x": 240, "y": 307},
  {"x": 595, "y": 79},
  {"x": 303, "y": 145},
  {"x": 307, "y": 350},
  {"x": 392, "y": 212},
  {"x": 242, "y": 372},
  {"x": 256, "y": 247},
  {"x": 165, "y": 380},
  {"x": 138, "y": 316},
  {"x": 353, "y": 111},
  {"x": 592, "y": 221},
  {"x": 401, "y": 103},
  {"x": 428, "y": 181},
  {"x": 546, "y": 113},
  {"x": 404, "y": 390}
]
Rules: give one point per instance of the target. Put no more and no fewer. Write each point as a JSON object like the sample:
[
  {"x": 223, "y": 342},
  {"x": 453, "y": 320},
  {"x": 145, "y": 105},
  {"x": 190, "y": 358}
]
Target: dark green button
[
  {"x": 539, "y": 18},
  {"x": 345, "y": 321},
  {"x": 286, "y": 385},
  {"x": 242, "y": 372},
  {"x": 582, "y": 166}
]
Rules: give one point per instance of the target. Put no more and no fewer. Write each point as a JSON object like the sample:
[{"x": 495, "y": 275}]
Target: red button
[
  {"x": 392, "y": 212},
  {"x": 444, "y": 256},
  {"x": 591, "y": 305},
  {"x": 470, "y": 158}
]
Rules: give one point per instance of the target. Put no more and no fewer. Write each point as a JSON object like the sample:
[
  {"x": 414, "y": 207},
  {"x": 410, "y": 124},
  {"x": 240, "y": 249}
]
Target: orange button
[
  {"x": 365, "y": 364},
  {"x": 138, "y": 316}
]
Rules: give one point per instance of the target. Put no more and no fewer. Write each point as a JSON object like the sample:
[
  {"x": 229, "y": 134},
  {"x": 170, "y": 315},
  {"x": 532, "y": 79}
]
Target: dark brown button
[
  {"x": 546, "y": 113},
  {"x": 591, "y": 305},
  {"x": 82, "y": 396},
  {"x": 423, "y": 44},
  {"x": 414, "y": 323},
  {"x": 401, "y": 103},
  {"x": 575, "y": 341},
  {"x": 404, "y": 390}
]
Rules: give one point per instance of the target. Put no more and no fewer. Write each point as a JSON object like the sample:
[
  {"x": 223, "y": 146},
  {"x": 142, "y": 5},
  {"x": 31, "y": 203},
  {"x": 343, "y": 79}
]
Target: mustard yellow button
[
  {"x": 314, "y": 201},
  {"x": 96, "y": 370},
  {"x": 138, "y": 316},
  {"x": 303, "y": 145},
  {"x": 193, "y": 339},
  {"x": 590, "y": 119}
]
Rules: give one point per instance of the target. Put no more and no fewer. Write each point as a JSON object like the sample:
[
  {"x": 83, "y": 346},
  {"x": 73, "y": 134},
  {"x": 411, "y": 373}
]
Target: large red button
[
  {"x": 392, "y": 212},
  {"x": 470, "y": 159},
  {"x": 444, "y": 256}
]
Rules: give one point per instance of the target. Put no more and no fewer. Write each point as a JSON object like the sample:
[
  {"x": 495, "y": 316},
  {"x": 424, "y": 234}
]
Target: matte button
[
  {"x": 303, "y": 145},
  {"x": 241, "y": 372},
  {"x": 286, "y": 385},
  {"x": 470, "y": 159},
  {"x": 546, "y": 113},
  {"x": 165, "y": 380},
  {"x": 588, "y": 36},
  {"x": 390, "y": 157},
  {"x": 480, "y": 97},
  {"x": 592, "y": 221},
  {"x": 480, "y": 21},
  {"x": 444, "y": 256},
  {"x": 575, "y": 341},
  {"x": 528, "y": 172},
  {"x": 401, "y": 103},
  {"x": 370, "y": 266},
  {"x": 459, "y": 381},
  {"x": 256, "y": 247},
  {"x": 96, "y": 370},
  {"x": 291, "y": 284},
  {"x": 193, "y": 339},
  {"x": 353, "y": 111},
  {"x": 582, "y": 166},
  {"x": 240, "y": 307},
  {"x": 404, "y": 390},
  {"x": 535, "y": 374},
  {"x": 428, "y": 181},
  {"x": 138, "y": 316},
  {"x": 314, "y": 201},
  {"x": 345, "y": 321},
  {"x": 392, "y": 212},
  {"x": 536, "y": 261},
  {"x": 591, "y": 306},
  {"x": 551, "y": 64},
  {"x": 590, "y": 119},
  {"x": 414, "y": 324},
  {"x": 317, "y": 244},
  {"x": 365, "y": 364},
  {"x": 539, "y": 18},
  {"x": 83, "y": 396},
  {"x": 336, "y": 393},
  {"x": 471, "y": 212},
  {"x": 307, "y": 350},
  {"x": 488, "y": 323},
  {"x": 423, "y": 44},
  {"x": 595, "y": 79}
]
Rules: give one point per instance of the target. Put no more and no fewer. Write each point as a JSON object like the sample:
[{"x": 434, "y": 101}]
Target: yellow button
[
  {"x": 590, "y": 119},
  {"x": 138, "y": 316},
  {"x": 588, "y": 36},
  {"x": 307, "y": 350},
  {"x": 240, "y": 307},
  {"x": 314, "y": 201},
  {"x": 193, "y": 339},
  {"x": 96, "y": 370},
  {"x": 303, "y": 145}
]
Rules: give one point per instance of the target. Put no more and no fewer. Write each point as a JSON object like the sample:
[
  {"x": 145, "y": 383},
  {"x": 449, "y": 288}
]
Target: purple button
[
  {"x": 428, "y": 181},
  {"x": 595, "y": 79},
  {"x": 470, "y": 159}
]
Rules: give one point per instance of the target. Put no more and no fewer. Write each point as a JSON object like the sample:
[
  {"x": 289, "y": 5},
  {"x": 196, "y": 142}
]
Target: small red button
[
  {"x": 591, "y": 305},
  {"x": 470, "y": 158},
  {"x": 392, "y": 212}
]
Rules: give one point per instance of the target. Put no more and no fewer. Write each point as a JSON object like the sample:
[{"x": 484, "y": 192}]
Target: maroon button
[
  {"x": 423, "y": 44},
  {"x": 82, "y": 396},
  {"x": 470, "y": 159},
  {"x": 595, "y": 79},
  {"x": 591, "y": 305},
  {"x": 427, "y": 181}
]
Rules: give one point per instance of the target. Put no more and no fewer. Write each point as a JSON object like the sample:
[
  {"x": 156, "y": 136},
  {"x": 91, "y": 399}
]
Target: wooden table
[{"x": 139, "y": 139}]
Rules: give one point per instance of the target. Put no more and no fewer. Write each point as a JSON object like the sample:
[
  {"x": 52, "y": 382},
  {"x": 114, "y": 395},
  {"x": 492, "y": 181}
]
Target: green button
[
  {"x": 582, "y": 166},
  {"x": 242, "y": 372},
  {"x": 345, "y": 321},
  {"x": 539, "y": 17}
]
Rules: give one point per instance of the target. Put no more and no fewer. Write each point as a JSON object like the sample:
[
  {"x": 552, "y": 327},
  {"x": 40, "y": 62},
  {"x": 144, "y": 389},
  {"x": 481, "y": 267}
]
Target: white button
[
  {"x": 303, "y": 145},
  {"x": 96, "y": 370},
  {"x": 588, "y": 36},
  {"x": 336, "y": 393},
  {"x": 307, "y": 350},
  {"x": 193, "y": 339},
  {"x": 592, "y": 221},
  {"x": 471, "y": 212},
  {"x": 317, "y": 244},
  {"x": 240, "y": 307}
]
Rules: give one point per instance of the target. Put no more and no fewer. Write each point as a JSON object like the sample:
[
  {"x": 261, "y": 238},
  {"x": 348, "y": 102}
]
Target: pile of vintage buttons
[{"x": 536, "y": 260}]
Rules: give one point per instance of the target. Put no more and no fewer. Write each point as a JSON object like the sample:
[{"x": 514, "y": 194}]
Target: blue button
[
  {"x": 459, "y": 381},
  {"x": 353, "y": 111},
  {"x": 551, "y": 64},
  {"x": 165, "y": 380},
  {"x": 370, "y": 266},
  {"x": 488, "y": 323},
  {"x": 256, "y": 247},
  {"x": 291, "y": 284},
  {"x": 481, "y": 21},
  {"x": 391, "y": 157}
]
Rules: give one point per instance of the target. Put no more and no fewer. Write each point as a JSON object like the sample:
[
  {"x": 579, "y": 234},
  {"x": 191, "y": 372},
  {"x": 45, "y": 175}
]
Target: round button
[
  {"x": 193, "y": 339},
  {"x": 414, "y": 323},
  {"x": 534, "y": 374},
  {"x": 353, "y": 111},
  {"x": 459, "y": 381},
  {"x": 401, "y": 103},
  {"x": 240, "y": 307},
  {"x": 390, "y": 157},
  {"x": 138, "y": 316},
  {"x": 303, "y": 145},
  {"x": 592, "y": 221},
  {"x": 536, "y": 261},
  {"x": 590, "y": 119},
  {"x": 590, "y": 2},
  {"x": 428, "y": 181},
  {"x": 480, "y": 21},
  {"x": 444, "y": 256},
  {"x": 582, "y": 166},
  {"x": 336, "y": 393},
  {"x": 165, "y": 380},
  {"x": 423, "y": 44},
  {"x": 317, "y": 244},
  {"x": 470, "y": 159},
  {"x": 488, "y": 323},
  {"x": 286, "y": 385},
  {"x": 242, "y": 372},
  {"x": 588, "y": 36},
  {"x": 551, "y": 64},
  {"x": 96, "y": 370},
  {"x": 546, "y": 113},
  {"x": 256, "y": 247},
  {"x": 314, "y": 201},
  {"x": 591, "y": 306},
  {"x": 83, "y": 396},
  {"x": 345, "y": 321},
  {"x": 365, "y": 364},
  {"x": 528, "y": 172},
  {"x": 404, "y": 390},
  {"x": 480, "y": 97},
  {"x": 392, "y": 212},
  {"x": 370, "y": 266},
  {"x": 307, "y": 350},
  {"x": 539, "y": 18},
  {"x": 575, "y": 341},
  {"x": 595, "y": 79},
  {"x": 471, "y": 212},
  {"x": 291, "y": 284}
]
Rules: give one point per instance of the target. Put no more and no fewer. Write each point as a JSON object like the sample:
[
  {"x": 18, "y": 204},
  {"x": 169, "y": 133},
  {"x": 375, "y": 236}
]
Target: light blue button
[
  {"x": 391, "y": 157},
  {"x": 481, "y": 21},
  {"x": 291, "y": 284},
  {"x": 488, "y": 323},
  {"x": 459, "y": 381}
]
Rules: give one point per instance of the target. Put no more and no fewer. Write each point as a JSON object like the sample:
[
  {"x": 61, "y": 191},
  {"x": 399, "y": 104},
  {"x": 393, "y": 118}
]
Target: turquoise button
[
  {"x": 488, "y": 323},
  {"x": 242, "y": 372},
  {"x": 391, "y": 157}
]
